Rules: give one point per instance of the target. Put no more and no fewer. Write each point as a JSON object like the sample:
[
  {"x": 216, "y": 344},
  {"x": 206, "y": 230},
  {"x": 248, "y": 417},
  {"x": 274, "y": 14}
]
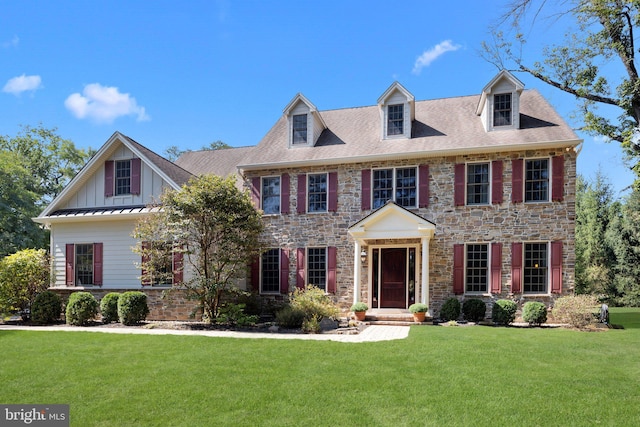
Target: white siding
[{"x": 395, "y": 99}]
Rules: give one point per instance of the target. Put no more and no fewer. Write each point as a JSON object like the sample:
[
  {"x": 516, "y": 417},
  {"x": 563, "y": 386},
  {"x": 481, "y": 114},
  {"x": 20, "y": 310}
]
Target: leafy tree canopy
[{"x": 22, "y": 276}]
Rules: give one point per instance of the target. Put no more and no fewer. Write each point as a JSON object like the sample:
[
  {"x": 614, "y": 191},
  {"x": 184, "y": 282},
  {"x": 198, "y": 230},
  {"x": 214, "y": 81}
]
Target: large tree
[
  {"x": 217, "y": 228},
  {"x": 595, "y": 62}
]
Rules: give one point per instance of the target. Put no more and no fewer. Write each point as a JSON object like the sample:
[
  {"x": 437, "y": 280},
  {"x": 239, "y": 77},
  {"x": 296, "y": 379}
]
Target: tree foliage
[
  {"x": 216, "y": 227},
  {"x": 595, "y": 62},
  {"x": 173, "y": 152},
  {"x": 22, "y": 276}
]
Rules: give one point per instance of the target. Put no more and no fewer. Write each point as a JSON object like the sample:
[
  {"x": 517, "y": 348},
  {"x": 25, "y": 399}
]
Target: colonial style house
[{"x": 403, "y": 201}]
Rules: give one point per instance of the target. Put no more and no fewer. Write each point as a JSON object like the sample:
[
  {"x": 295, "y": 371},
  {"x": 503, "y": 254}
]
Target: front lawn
[{"x": 438, "y": 376}]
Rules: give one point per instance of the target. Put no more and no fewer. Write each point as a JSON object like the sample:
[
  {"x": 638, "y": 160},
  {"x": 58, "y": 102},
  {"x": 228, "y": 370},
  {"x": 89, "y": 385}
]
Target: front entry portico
[{"x": 392, "y": 247}]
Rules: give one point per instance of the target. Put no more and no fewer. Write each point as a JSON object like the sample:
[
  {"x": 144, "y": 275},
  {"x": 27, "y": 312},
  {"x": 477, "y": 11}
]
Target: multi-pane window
[
  {"x": 300, "y": 129},
  {"x": 399, "y": 185},
  {"x": 271, "y": 195},
  {"x": 317, "y": 192},
  {"x": 317, "y": 267},
  {"x": 395, "y": 119},
  {"x": 535, "y": 268},
  {"x": 536, "y": 187},
  {"x": 270, "y": 268},
  {"x": 502, "y": 109},
  {"x": 159, "y": 263},
  {"x": 123, "y": 177},
  {"x": 478, "y": 184},
  {"x": 477, "y": 267},
  {"x": 84, "y": 264}
]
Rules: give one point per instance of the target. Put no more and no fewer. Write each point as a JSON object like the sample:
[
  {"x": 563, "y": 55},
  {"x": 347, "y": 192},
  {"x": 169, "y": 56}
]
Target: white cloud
[
  {"x": 428, "y": 56},
  {"x": 11, "y": 43},
  {"x": 22, "y": 83},
  {"x": 104, "y": 104}
]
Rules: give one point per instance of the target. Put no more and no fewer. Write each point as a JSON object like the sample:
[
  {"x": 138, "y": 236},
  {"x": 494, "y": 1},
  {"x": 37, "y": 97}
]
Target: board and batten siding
[{"x": 92, "y": 193}]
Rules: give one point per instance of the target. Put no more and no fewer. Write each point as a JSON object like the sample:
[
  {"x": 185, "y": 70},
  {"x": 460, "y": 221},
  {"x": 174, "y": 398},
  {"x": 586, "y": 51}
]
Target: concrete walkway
[{"x": 371, "y": 334}]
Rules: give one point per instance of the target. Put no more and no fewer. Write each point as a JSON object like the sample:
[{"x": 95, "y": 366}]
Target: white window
[
  {"x": 536, "y": 268},
  {"x": 84, "y": 264},
  {"x": 502, "y": 109},
  {"x": 317, "y": 192},
  {"x": 478, "y": 184},
  {"x": 317, "y": 267},
  {"x": 270, "y": 269},
  {"x": 536, "y": 187},
  {"x": 399, "y": 185},
  {"x": 271, "y": 195},
  {"x": 123, "y": 177},
  {"x": 299, "y": 128},
  {"x": 395, "y": 119},
  {"x": 477, "y": 268}
]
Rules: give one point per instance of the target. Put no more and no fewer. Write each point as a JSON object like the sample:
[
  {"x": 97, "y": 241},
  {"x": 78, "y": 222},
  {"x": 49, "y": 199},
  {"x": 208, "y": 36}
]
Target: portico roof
[{"x": 392, "y": 221}]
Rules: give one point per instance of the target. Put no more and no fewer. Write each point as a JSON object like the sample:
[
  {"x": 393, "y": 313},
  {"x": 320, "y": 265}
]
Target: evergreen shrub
[
  {"x": 504, "y": 311},
  {"x": 473, "y": 310},
  {"x": 450, "y": 310},
  {"x": 534, "y": 313},
  {"x": 82, "y": 307},
  {"x": 46, "y": 308},
  {"x": 132, "y": 307},
  {"x": 109, "y": 307}
]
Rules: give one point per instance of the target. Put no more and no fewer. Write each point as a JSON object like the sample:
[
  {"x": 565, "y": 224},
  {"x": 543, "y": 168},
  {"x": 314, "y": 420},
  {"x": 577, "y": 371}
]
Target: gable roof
[
  {"x": 222, "y": 162},
  {"x": 502, "y": 75},
  {"x": 392, "y": 220},
  {"x": 441, "y": 127}
]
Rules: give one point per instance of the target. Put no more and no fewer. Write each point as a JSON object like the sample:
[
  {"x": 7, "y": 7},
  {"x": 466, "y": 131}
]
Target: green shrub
[
  {"x": 504, "y": 311},
  {"x": 450, "y": 310},
  {"x": 46, "y": 308},
  {"x": 82, "y": 307},
  {"x": 23, "y": 275},
  {"x": 290, "y": 318},
  {"x": 576, "y": 310},
  {"x": 359, "y": 306},
  {"x": 109, "y": 307},
  {"x": 418, "y": 308},
  {"x": 474, "y": 310},
  {"x": 234, "y": 315},
  {"x": 534, "y": 313},
  {"x": 312, "y": 325},
  {"x": 132, "y": 307},
  {"x": 312, "y": 301}
]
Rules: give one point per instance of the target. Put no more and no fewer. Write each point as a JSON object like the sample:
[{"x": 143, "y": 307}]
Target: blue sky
[{"x": 191, "y": 72}]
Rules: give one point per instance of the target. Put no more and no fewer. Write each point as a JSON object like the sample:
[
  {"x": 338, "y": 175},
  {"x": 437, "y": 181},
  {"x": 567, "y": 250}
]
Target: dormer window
[
  {"x": 395, "y": 119},
  {"x": 299, "y": 130},
  {"x": 502, "y": 109}
]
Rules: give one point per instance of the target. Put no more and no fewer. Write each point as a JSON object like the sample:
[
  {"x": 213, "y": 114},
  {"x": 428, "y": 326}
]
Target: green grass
[{"x": 440, "y": 376}]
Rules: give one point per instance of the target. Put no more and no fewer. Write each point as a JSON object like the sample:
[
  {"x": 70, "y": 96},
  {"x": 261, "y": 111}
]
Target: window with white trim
[
  {"x": 477, "y": 268},
  {"x": 317, "y": 189},
  {"x": 299, "y": 128},
  {"x": 502, "y": 109},
  {"x": 399, "y": 185},
  {"x": 317, "y": 267},
  {"x": 395, "y": 119},
  {"x": 271, "y": 195},
  {"x": 478, "y": 184},
  {"x": 123, "y": 177},
  {"x": 536, "y": 268},
  {"x": 270, "y": 271},
  {"x": 84, "y": 264},
  {"x": 536, "y": 186}
]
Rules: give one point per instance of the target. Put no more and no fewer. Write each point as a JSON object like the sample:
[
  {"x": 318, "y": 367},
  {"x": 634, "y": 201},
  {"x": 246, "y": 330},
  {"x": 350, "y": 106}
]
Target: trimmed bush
[
  {"x": 290, "y": 317},
  {"x": 534, "y": 313},
  {"x": 504, "y": 311},
  {"x": 132, "y": 307},
  {"x": 82, "y": 307},
  {"x": 576, "y": 310},
  {"x": 314, "y": 302},
  {"x": 109, "y": 307},
  {"x": 473, "y": 310},
  {"x": 450, "y": 310},
  {"x": 46, "y": 308}
]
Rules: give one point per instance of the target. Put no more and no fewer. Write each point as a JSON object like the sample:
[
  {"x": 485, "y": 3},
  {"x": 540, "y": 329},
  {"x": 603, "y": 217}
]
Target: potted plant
[
  {"x": 360, "y": 310},
  {"x": 419, "y": 311}
]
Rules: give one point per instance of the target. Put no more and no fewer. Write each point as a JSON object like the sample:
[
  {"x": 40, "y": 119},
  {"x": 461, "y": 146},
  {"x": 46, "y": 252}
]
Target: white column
[
  {"x": 357, "y": 266},
  {"x": 424, "y": 294}
]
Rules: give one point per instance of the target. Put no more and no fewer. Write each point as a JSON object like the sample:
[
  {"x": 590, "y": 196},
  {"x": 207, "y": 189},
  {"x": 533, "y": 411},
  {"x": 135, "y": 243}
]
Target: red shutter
[
  {"x": 108, "y": 178},
  {"x": 178, "y": 266},
  {"x": 333, "y": 191},
  {"x": 300, "y": 268},
  {"x": 557, "y": 183},
  {"x": 331, "y": 269},
  {"x": 136, "y": 168},
  {"x": 97, "y": 264},
  {"x": 255, "y": 273},
  {"x": 423, "y": 186},
  {"x": 496, "y": 268},
  {"x": 516, "y": 268},
  {"x": 459, "y": 184},
  {"x": 517, "y": 176},
  {"x": 458, "y": 269},
  {"x": 556, "y": 267},
  {"x": 284, "y": 194},
  {"x": 284, "y": 271},
  {"x": 69, "y": 263},
  {"x": 146, "y": 246},
  {"x": 366, "y": 190},
  {"x": 302, "y": 193},
  {"x": 255, "y": 192},
  {"x": 496, "y": 182}
]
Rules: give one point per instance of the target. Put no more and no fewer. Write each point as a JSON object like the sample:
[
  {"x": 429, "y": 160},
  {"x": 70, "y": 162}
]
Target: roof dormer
[
  {"x": 499, "y": 105},
  {"x": 397, "y": 112},
  {"x": 303, "y": 121}
]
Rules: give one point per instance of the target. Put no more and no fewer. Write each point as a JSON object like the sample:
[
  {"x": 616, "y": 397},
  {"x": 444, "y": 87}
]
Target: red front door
[{"x": 393, "y": 289}]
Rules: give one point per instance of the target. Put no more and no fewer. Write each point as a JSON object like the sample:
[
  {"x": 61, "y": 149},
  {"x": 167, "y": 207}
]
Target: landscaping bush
[
  {"x": 132, "y": 307},
  {"x": 312, "y": 325},
  {"x": 576, "y": 310},
  {"x": 234, "y": 315},
  {"x": 312, "y": 301},
  {"x": 46, "y": 308},
  {"x": 534, "y": 313},
  {"x": 450, "y": 310},
  {"x": 23, "y": 276},
  {"x": 82, "y": 307},
  {"x": 504, "y": 311},
  {"x": 473, "y": 310},
  {"x": 109, "y": 307},
  {"x": 290, "y": 318}
]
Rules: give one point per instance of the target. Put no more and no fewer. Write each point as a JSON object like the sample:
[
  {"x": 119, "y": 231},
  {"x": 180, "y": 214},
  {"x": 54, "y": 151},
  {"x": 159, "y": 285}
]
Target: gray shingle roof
[
  {"x": 219, "y": 162},
  {"x": 178, "y": 174}
]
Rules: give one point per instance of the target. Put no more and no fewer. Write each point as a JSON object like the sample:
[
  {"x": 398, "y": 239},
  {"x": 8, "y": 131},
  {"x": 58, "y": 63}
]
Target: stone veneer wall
[
  {"x": 505, "y": 223},
  {"x": 177, "y": 307}
]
